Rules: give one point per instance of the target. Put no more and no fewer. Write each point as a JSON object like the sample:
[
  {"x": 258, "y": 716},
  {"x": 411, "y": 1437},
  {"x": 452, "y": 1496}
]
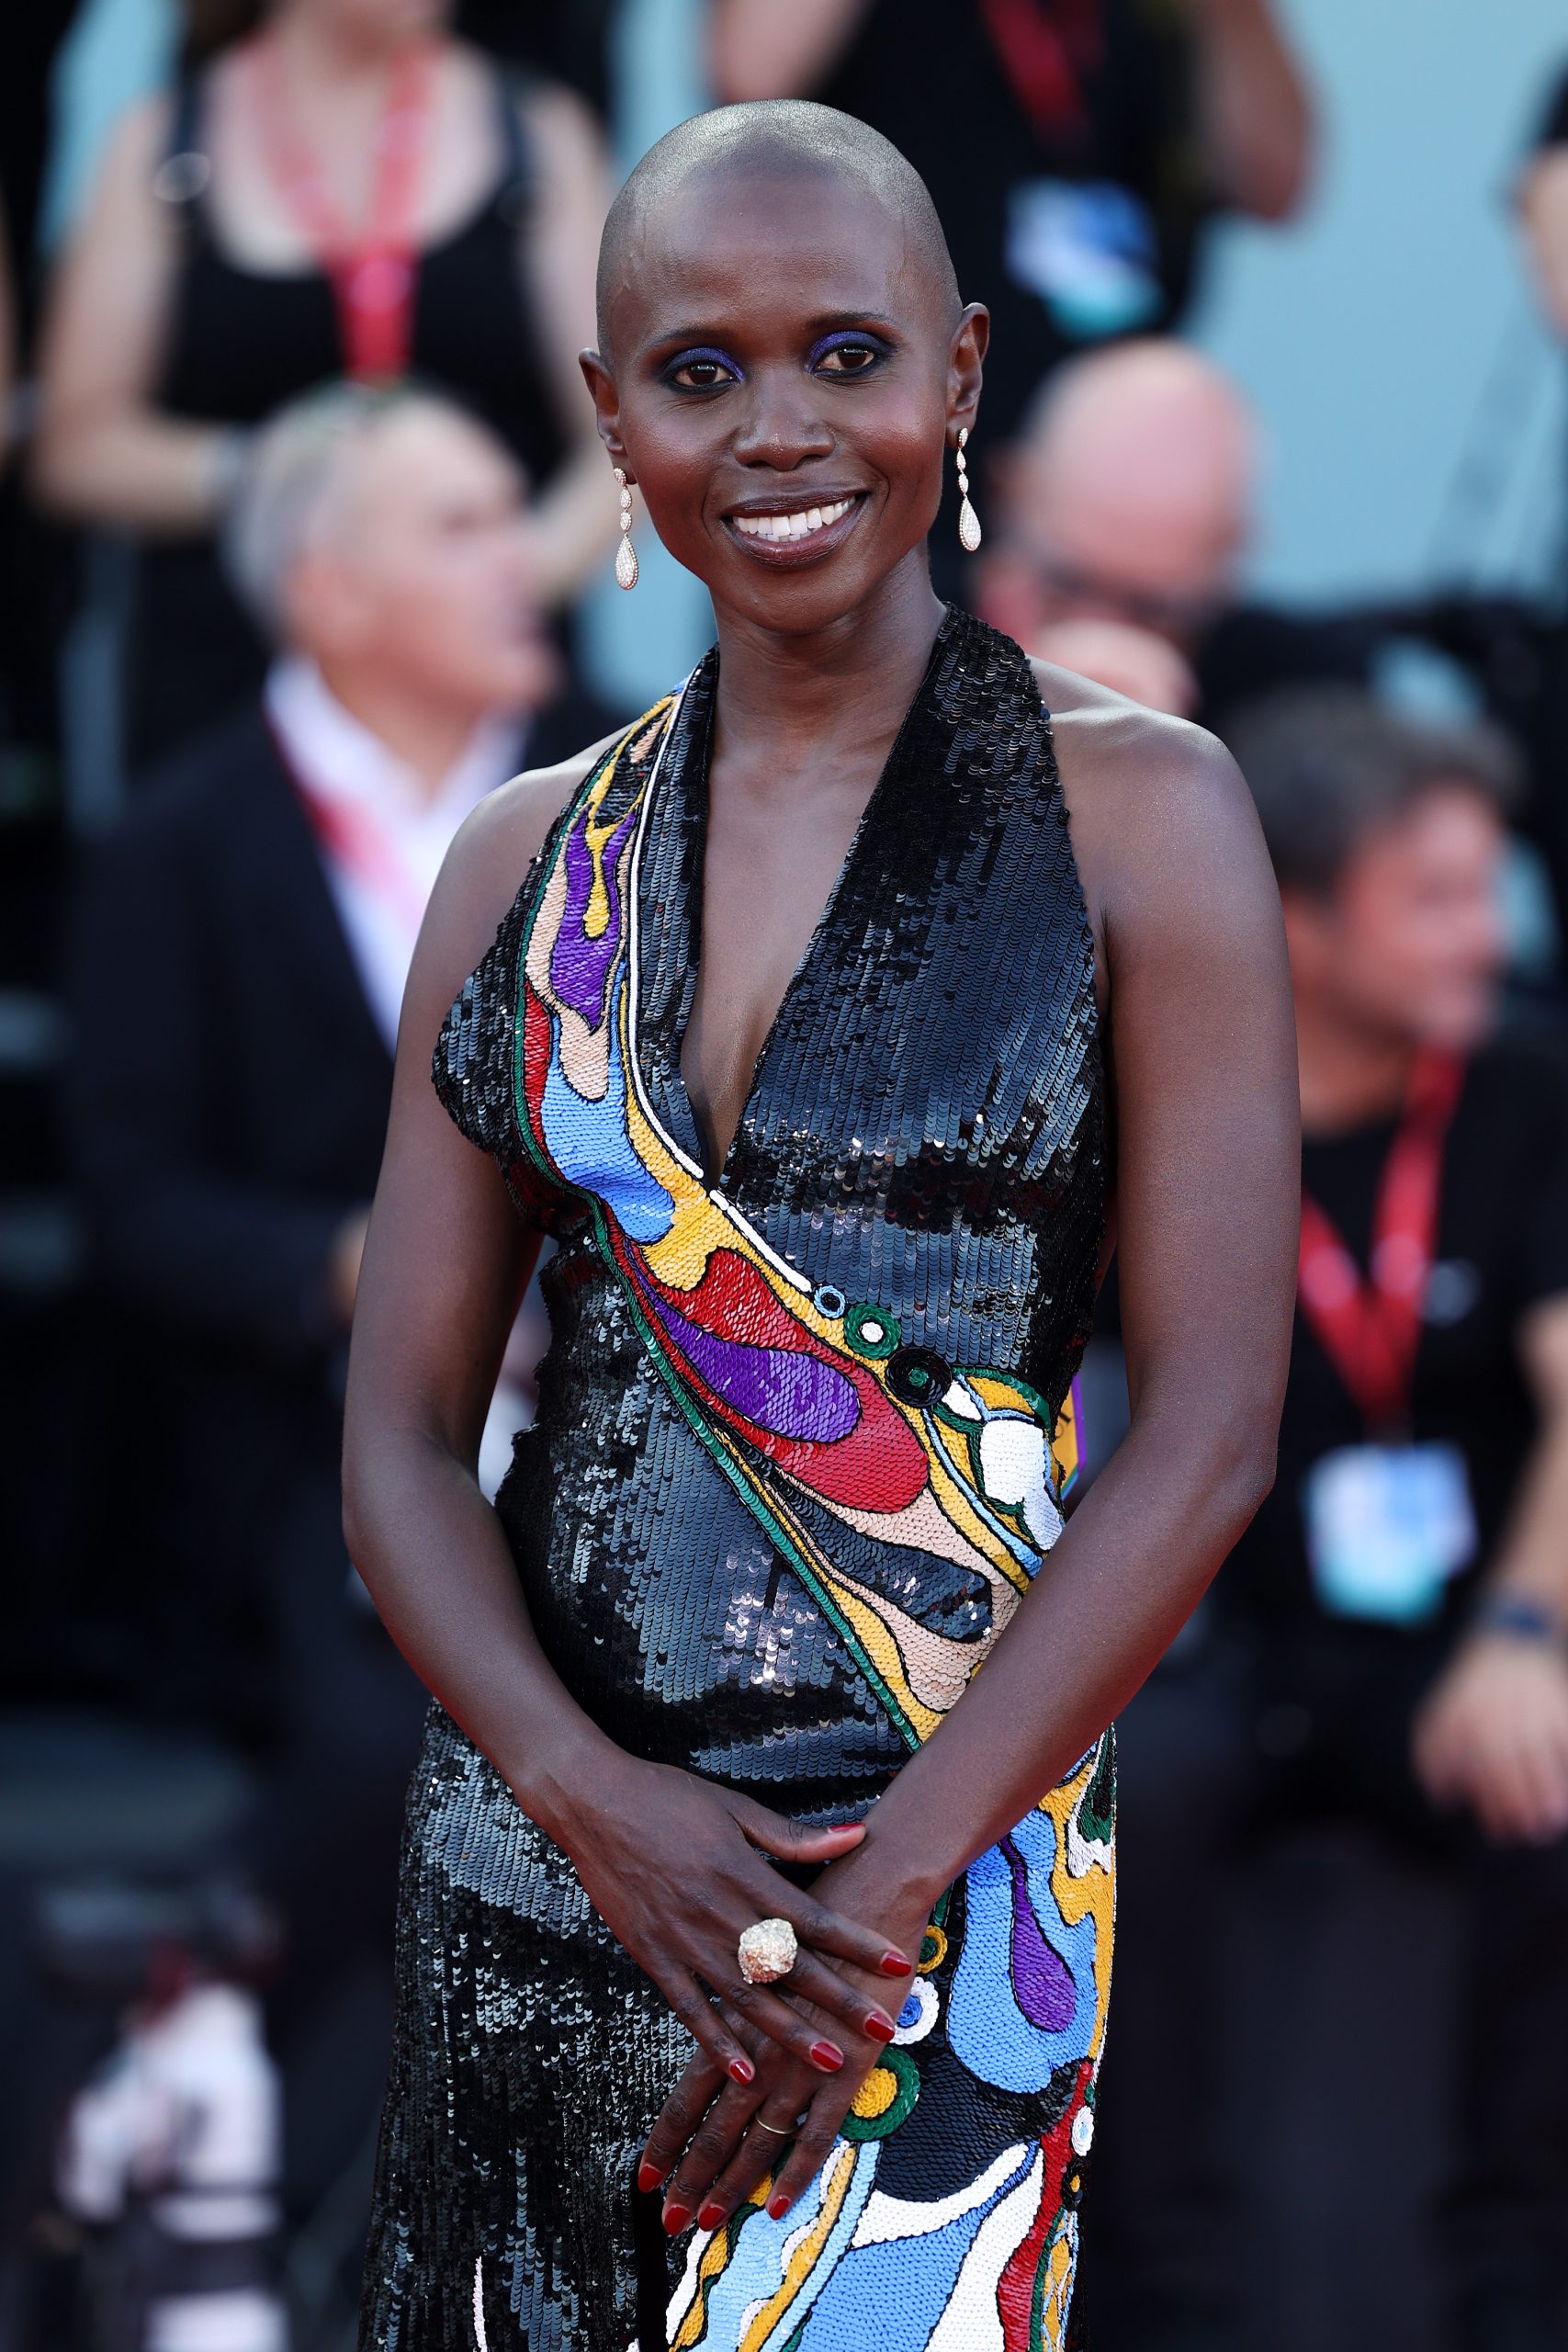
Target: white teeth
[{"x": 797, "y": 526}]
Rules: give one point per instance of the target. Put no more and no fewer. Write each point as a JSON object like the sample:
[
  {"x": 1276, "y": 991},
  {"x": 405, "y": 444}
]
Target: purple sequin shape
[
  {"x": 1042, "y": 1982},
  {"x": 788, "y": 1394},
  {"x": 580, "y": 966}
]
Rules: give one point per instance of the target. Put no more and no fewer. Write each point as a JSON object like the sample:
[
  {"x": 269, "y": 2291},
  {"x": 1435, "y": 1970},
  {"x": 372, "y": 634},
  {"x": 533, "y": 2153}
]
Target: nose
[{"x": 782, "y": 422}]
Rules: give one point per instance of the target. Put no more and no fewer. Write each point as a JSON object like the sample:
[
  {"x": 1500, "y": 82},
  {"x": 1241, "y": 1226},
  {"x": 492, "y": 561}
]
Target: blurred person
[
  {"x": 239, "y": 952},
  {"x": 1130, "y": 496},
  {"x": 346, "y": 189},
  {"x": 1542, "y": 201},
  {"x": 1388, "y": 1645},
  {"x": 1075, "y": 149},
  {"x": 1137, "y": 662}
]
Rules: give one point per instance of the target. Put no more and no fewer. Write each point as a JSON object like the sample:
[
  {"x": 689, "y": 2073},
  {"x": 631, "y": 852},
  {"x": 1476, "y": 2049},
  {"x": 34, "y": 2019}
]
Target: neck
[
  {"x": 428, "y": 736},
  {"x": 851, "y": 682},
  {"x": 1352, "y": 1072},
  {"x": 315, "y": 53}
]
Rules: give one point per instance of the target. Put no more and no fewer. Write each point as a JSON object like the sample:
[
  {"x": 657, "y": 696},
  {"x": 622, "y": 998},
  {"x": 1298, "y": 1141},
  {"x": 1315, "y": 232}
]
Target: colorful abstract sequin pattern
[{"x": 804, "y": 1431}]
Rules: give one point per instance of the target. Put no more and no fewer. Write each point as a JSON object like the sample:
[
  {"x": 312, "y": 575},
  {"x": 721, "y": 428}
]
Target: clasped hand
[{"x": 678, "y": 1868}]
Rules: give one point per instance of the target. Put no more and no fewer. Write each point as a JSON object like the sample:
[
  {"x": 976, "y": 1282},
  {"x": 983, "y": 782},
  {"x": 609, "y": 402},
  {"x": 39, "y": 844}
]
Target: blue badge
[{"x": 1386, "y": 1527}]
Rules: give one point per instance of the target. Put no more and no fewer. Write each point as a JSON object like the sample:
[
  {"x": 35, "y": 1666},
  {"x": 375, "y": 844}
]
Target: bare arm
[
  {"x": 672, "y": 1863},
  {"x": 1254, "y": 109},
  {"x": 1543, "y": 213},
  {"x": 1202, "y": 1067},
  {"x": 102, "y": 453},
  {"x": 758, "y": 49},
  {"x": 574, "y": 521},
  {"x": 1493, "y": 1734}
]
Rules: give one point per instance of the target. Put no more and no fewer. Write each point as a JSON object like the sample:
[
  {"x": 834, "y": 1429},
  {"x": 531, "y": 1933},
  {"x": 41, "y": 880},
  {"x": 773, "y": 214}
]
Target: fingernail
[
  {"x": 892, "y": 1964},
  {"x": 778, "y": 2206},
  {"x": 879, "y": 2025},
  {"x": 676, "y": 2218},
  {"x": 742, "y": 2071},
  {"x": 648, "y": 2177},
  {"x": 710, "y": 2215},
  {"x": 825, "y": 2055}
]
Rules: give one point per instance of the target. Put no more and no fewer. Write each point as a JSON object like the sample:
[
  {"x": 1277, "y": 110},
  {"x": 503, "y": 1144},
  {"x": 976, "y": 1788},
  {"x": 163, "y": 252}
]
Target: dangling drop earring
[
  {"x": 625, "y": 554},
  {"x": 969, "y": 533}
]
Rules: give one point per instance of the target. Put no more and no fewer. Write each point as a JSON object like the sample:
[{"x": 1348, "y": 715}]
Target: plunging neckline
[{"x": 691, "y": 785}]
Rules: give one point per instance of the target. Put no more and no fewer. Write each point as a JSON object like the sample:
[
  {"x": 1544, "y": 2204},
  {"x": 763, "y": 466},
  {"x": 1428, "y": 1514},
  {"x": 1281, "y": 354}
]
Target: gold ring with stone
[{"x": 767, "y": 1950}]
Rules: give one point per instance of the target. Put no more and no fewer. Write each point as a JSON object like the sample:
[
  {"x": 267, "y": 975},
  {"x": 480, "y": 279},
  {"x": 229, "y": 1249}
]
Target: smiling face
[{"x": 783, "y": 370}]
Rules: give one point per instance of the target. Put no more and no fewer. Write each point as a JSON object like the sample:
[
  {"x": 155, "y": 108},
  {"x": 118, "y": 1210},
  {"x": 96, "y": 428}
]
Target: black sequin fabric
[{"x": 913, "y": 1205}]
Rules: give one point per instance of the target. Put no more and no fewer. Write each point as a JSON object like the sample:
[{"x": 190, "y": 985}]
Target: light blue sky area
[
  {"x": 1389, "y": 337},
  {"x": 1416, "y": 414}
]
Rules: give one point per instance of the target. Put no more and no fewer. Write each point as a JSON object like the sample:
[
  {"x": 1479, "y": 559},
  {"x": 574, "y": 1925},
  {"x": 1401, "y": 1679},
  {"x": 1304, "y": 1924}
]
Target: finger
[
  {"x": 810, "y": 2152},
  {"x": 812, "y": 1980},
  {"x": 771, "y": 2135},
  {"x": 1539, "y": 1770},
  {"x": 677, "y": 2120},
  {"x": 713, "y": 2142},
  {"x": 704, "y": 2024},
  {"x": 827, "y": 1931},
  {"x": 794, "y": 1841},
  {"x": 762, "y": 2008}
]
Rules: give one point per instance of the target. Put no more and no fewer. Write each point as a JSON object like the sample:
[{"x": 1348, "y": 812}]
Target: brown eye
[
  {"x": 850, "y": 359},
  {"x": 700, "y": 372}
]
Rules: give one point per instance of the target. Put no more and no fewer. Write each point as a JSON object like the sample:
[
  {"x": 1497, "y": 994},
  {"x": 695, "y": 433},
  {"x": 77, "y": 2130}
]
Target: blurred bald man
[
  {"x": 240, "y": 951},
  {"x": 1125, "y": 511}
]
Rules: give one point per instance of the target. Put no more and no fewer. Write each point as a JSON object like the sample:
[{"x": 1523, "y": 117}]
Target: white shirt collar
[{"x": 336, "y": 755}]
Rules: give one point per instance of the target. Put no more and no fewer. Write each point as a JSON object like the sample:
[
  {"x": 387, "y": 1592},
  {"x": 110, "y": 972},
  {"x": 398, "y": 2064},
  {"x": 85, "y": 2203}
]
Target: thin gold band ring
[{"x": 777, "y": 2130}]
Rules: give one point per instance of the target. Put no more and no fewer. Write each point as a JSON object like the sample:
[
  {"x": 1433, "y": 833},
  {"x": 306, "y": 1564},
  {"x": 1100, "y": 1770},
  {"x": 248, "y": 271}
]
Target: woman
[
  {"x": 791, "y": 1037},
  {"x": 347, "y": 190}
]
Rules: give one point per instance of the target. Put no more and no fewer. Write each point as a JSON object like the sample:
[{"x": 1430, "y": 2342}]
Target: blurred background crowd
[{"x": 305, "y": 545}]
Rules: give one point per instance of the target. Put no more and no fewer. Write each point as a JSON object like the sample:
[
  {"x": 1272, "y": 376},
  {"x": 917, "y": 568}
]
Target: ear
[
  {"x": 606, "y": 406},
  {"x": 965, "y": 368}
]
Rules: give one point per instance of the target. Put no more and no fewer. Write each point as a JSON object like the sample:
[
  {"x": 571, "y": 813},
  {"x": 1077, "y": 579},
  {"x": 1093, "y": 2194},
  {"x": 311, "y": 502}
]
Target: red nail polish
[
  {"x": 823, "y": 2054},
  {"x": 778, "y": 2206},
  {"x": 710, "y": 2215},
  {"x": 648, "y": 2177},
  {"x": 892, "y": 1964},
  {"x": 880, "y": 2027},
  {"x": 676, "y": 2218},
  {"x": 742, "y": 2071}
]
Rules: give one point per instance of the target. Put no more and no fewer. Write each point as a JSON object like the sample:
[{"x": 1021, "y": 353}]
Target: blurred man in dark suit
[{"x": 238, "y": 953}]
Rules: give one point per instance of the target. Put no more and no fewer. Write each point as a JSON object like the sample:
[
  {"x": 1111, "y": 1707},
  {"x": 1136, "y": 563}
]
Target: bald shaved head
[{"x": 771, "y": 139}]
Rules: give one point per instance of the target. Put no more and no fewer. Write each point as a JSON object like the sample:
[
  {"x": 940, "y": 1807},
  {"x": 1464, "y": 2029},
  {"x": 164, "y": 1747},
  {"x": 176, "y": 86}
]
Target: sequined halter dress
[{"x": 800, "y": 1444}]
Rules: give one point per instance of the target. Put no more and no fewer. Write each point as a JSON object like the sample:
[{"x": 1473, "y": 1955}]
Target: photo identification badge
[{"x": 1386, "y": 1527}]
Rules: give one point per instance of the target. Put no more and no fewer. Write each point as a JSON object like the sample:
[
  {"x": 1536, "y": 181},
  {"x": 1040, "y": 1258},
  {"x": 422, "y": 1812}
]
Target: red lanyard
[
  {"x": 1368, "y": 1326},
  {"x": 1045, "y": 50},
  {"x": 352, "y": 840},
  {"x": 372, "y": 267}
]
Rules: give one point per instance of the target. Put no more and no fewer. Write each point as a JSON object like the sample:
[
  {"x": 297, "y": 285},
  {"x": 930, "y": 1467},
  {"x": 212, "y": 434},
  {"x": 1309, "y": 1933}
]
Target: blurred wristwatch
[{"x": 1518, "y": 1619}]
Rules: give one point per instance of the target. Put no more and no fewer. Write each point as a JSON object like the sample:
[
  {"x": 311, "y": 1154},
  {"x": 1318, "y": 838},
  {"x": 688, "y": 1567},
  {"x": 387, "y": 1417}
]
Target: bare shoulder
[
  {"x": 494, "y": 847},
  {"x": 482, "y": 875},
  {"x": 1150, "y": 798}
]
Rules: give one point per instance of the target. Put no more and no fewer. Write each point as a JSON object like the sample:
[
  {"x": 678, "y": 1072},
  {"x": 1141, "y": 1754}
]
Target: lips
[{"x": 796, "y": 528}]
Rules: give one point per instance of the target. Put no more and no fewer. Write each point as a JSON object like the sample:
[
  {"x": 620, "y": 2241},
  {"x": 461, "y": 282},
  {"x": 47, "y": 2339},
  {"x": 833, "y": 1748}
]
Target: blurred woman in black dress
[{"x": 346, "y": 189}]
